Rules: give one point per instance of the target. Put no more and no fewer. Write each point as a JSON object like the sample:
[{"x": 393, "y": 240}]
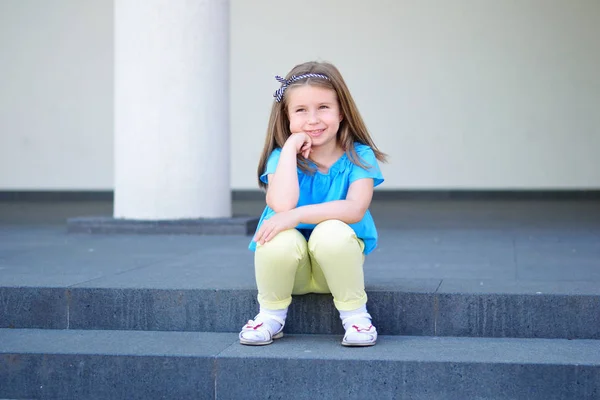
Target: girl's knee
[
  {"x": 332, "y": 225},
  {"x": 285, "y": 245},
  {"x": 333, "y": 236}
]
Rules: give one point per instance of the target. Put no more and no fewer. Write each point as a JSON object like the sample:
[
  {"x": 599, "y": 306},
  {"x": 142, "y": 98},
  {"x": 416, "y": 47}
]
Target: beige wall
[{"x": 460, "y": 94}]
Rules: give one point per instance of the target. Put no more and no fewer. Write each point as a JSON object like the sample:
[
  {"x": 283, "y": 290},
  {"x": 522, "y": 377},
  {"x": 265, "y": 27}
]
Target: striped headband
[{"x": 287, "y": 82}]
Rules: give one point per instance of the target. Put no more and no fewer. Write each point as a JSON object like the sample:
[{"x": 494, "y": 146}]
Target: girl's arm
[
  {"x": 351, "y": 210},
  {"x": 283, "y": 189}
]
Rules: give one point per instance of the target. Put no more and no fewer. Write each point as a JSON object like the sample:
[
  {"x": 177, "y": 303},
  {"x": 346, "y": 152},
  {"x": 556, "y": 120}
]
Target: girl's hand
[
  {"x": 277, "y": 223},
  {"x": 302, "y": 142}
]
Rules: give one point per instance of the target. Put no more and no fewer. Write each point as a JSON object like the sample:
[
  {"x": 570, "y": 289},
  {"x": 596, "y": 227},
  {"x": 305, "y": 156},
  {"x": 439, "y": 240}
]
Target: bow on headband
[{"x": 287, "y": 82}]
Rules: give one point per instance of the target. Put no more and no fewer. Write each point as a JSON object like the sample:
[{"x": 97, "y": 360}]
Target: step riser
[
  {"x": 74, "y": 376},
  {"x": 407, "y": 380},
  {"x": 394, "y": 313},
  {"x": 140, "y": 377}
]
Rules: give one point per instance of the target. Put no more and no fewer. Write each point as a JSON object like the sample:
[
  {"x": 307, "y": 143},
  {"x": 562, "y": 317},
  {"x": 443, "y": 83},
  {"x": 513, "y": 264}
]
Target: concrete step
[
  {"x": 521, "y": 312},
  {"x": 75, "y": 364}
]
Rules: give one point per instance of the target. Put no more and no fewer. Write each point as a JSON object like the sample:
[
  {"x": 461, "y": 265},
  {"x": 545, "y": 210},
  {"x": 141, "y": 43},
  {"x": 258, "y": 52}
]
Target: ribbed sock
[
  {"x": 274, "y": 326},
  {"x": 357, "y": 320}
]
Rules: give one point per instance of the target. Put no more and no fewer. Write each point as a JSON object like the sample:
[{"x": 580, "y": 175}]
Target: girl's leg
[
  {"x": 276, "y": 266},
  {"x": 338, "y": 253}
]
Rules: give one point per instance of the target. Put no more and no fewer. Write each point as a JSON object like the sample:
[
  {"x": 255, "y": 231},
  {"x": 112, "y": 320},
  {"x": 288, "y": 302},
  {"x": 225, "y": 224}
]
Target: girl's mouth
[{"x": 316, "y": 132}]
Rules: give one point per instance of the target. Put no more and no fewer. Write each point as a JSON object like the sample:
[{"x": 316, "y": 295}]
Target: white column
[{"x": 171, "y": 109}]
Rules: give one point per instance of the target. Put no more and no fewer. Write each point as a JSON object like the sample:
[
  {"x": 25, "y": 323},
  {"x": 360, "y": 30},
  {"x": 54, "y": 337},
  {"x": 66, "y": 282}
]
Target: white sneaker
[
  {"x": 257, "y": 333},
  {"x": 358, "y": 334}
]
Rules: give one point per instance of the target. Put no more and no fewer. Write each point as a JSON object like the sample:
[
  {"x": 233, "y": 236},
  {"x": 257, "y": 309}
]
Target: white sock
[
  {"x": 357, "y": 320},
  {"x": 274, "y": 325}
]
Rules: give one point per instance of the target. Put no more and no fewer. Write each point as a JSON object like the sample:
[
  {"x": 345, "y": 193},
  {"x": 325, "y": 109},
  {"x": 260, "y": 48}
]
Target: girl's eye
[
  {"x": 300, "y": 110},
  {"x": 324, "y": 106}
]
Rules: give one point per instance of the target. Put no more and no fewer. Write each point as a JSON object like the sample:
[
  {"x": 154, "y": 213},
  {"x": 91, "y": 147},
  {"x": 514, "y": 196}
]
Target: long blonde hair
[{"x": 352, "y": 128}]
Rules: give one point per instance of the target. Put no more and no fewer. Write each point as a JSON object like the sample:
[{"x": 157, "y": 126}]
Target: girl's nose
[{"x": 312, "y": 117}]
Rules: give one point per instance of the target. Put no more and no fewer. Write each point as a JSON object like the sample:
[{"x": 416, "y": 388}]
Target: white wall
[
  {"x": 56, "y": 94},
  {"x": 461, "y": 94}
]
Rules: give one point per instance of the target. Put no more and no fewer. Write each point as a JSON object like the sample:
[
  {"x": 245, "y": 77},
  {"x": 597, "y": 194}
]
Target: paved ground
[{"x": 465, "y": 246}]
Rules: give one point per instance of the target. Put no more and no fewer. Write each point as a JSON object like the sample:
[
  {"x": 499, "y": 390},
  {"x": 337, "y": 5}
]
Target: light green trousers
[{"x": 330, "y": 262}]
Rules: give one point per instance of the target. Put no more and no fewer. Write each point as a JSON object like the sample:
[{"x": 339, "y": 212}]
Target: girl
[{"x": 319, "y": 168}]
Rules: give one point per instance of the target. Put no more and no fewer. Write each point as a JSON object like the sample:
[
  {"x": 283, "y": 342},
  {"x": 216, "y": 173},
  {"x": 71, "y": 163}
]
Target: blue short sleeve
[
  {"x": 272, "y": 162},
  {"x": 367, "y": 157}
]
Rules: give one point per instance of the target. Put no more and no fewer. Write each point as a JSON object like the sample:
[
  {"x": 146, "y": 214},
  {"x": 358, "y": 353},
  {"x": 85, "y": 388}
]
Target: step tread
[
  {"x": 317, "y": 347},
  {"x": 110, "y": 342},
  {"x": 435, "y": 259}
]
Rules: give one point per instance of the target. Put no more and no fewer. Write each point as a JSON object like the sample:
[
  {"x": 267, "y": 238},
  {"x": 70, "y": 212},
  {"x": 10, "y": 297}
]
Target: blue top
[{"x": 319, "y": 188}]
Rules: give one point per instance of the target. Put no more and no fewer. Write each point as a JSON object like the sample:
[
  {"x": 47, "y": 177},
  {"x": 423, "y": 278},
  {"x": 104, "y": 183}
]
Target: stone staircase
[
  {"x": 128, "y": 343},
  {"x": 503, "y": 313}
]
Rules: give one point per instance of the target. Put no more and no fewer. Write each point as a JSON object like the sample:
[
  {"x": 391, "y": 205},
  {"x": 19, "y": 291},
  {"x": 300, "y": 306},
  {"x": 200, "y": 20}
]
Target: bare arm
[
  {"x": 283, "y": 189},
  {"x": 351, "y": 210}
]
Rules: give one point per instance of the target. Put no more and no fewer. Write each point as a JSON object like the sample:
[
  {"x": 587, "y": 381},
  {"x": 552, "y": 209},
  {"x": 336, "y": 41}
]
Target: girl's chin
[{"x": 319, "y": 144}]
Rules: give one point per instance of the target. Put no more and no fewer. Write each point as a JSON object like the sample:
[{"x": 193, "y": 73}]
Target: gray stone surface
[
  {"x": 527, "y": 316},
  {"x": 64, "y": 260},
  {"x": 105, "y": 377},
  {"x": 307, "y": 379},
  {"x": 537, "y": 287},
  {"x": 52, "y": 364},
  {"x": 402, "y": 313},
  {"x": 132, "y": 343},
  {"x": 226, "y": 260},
  {"x": 442, "y": 267},
  {"x": 143, "y": 309},
  {"x": 201, "y": 266},
  {"x": 417, "y": 368},
  {"x": 164, "y": 310},
  {"x": 413, "y": 368},
  {"x": 552, "y": 309},
  {"x": 33, "y": 307},
  {"x": 225, "y": 310},
  {"x": 201, "y": 226},
  {"x": 128, "y": 364}
]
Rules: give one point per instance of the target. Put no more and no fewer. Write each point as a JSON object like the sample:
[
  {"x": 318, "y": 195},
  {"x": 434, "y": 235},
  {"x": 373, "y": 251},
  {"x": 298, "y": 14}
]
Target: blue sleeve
[
  {"x": 272, "y": 162},
  {"x": 367, "y": 156}
]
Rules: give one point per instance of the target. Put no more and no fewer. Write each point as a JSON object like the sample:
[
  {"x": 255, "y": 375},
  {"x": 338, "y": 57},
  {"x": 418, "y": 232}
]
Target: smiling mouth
[{"x": 316, "y": 132}]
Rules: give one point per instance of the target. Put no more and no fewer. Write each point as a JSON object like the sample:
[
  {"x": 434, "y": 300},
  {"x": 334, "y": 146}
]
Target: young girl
[{"x": 319, "y": 168}]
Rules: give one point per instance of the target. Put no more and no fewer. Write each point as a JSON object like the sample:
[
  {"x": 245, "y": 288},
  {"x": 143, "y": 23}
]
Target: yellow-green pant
[{"x": 330, "y": 262}]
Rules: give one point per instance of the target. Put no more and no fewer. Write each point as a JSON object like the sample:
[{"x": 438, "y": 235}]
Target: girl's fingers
[
  {"x": 266, "y": 234},
  {"x": 306, "y": 150},
  {"x": 271, "y": 235},
  {"x": 263, "y": 239},
  {"x": 260, "y": 234}
]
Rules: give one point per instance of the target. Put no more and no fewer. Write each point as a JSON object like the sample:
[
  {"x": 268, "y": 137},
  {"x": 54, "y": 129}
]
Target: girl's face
[{"x": 314, "y": 110}]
